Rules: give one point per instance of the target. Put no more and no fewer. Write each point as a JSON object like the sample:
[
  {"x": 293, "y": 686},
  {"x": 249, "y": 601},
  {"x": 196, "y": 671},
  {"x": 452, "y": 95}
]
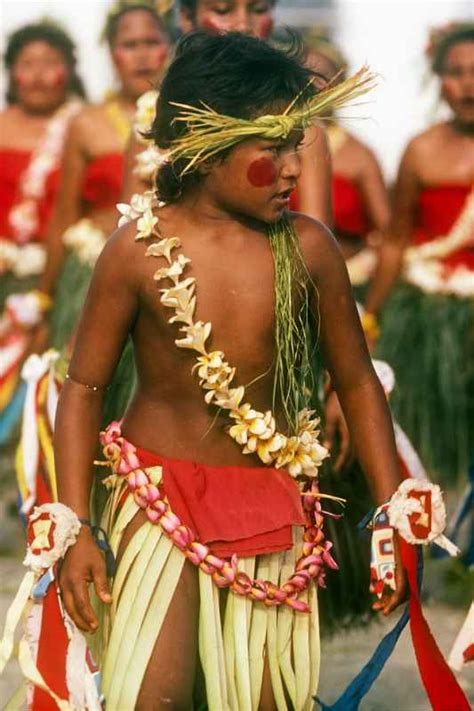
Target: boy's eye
[
  {"x": 261, "y": 8},
  {"x": 223, "y": 9}
]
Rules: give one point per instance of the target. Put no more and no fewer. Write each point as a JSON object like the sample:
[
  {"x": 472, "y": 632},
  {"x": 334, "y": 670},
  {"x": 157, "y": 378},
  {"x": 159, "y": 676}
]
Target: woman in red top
[
  {"x": 42, "y": 97},
  {"x": 85, "y": 212},
  {"x": 428, "y": 324},
  {"x": 360, "y": 200},
  {"x": 93, "y": 165}
]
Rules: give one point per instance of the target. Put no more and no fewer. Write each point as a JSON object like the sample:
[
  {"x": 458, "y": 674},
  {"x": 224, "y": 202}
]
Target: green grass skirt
[
  {"x": 429, "y": 342},
  {"x": 70, "y": 295}
]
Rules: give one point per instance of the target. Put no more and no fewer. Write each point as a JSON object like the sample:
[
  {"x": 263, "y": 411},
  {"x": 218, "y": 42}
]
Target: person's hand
[
  {"x": 83, "y": 564},
  {"x": 391, "y": 599},
  {"x": 336, "y": 433}
]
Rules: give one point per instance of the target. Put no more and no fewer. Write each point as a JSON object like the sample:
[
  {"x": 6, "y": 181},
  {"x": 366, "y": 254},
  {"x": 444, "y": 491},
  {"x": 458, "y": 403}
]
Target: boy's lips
[{"x": 284, "y": 195}]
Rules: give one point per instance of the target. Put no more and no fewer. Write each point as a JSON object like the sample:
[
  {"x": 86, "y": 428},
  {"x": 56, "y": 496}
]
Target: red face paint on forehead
[{"x": 262, "y": 173}]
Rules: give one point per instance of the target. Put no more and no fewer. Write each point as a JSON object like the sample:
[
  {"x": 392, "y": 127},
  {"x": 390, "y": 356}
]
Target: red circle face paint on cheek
[
  {"x": 58, "y": 77},
  {"x": 264, "y": 27},
  {"x": 262, "y": 173},
  {"x": 22, "y": 78}
]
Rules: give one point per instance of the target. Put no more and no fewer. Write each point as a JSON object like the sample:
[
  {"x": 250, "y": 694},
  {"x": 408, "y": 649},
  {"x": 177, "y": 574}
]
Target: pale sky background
[{"x": 389, "y": 35}]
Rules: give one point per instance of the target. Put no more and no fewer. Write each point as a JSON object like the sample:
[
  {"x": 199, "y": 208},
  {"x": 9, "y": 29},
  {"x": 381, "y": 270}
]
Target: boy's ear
[
  {"x": 206, "y": 166},
  {"x": 186, "y": 23}
]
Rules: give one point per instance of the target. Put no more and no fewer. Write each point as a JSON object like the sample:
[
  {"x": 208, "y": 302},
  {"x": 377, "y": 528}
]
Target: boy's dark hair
[
  {"x": 49, "y": 32},
  {"x": 233, "y": 74},
  {"x": 464, "y": 32},
  {"x": 110, "y": 30},
  {"x": 191, "y": 5}
]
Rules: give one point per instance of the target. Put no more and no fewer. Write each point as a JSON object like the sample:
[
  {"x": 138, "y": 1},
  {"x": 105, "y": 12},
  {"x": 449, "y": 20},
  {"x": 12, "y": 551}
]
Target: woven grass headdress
[{"x": 208, "y": 133}]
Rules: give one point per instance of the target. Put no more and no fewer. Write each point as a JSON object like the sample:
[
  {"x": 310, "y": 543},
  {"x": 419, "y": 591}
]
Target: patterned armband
[
  {"x": 52, "y": 529},
  {"x": 28, "y": 309},
  {"x": 382, "y": 552},
  {"x": 75, "y": 683},
  {"x": 417, "y": 512}
]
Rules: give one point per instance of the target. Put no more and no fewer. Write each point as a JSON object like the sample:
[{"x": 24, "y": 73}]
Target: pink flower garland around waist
[{"x": 149, "y": 495}]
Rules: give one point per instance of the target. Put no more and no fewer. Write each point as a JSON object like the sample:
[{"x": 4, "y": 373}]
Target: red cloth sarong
[{"x": 231, "y": 509}]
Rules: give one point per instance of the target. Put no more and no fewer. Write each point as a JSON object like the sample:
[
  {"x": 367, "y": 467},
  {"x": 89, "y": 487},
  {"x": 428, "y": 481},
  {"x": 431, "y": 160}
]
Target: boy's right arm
[{"x": 107, "y": 318}]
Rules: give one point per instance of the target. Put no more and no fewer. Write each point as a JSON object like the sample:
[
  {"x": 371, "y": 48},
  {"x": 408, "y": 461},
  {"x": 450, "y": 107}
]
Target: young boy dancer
[{"x": 223, "y": 250}]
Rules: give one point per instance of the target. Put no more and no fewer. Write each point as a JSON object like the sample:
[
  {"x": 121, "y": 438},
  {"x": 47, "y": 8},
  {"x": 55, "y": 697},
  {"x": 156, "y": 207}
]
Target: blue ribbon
[
  {"x": 11, "y": 414},
  {"x": 362, "y": 683}
]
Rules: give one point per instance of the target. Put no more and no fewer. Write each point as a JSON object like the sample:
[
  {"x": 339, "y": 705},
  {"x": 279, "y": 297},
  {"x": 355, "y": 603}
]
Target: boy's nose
[
  {"x": 291, "y": 167},
  {"x": 242, "y": 21}
]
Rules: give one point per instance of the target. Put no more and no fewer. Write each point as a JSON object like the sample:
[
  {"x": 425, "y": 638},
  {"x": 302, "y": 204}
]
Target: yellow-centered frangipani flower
[
  {"x": 215, "y": 374},
  {"x": 148, "y": 162},
  {"x": 139, "y": 204},
  {"x": 196, "y": 336},
  {"x": 163, "y": 248},
  {"x": 174, "y": 271},
  {"x": 146, "y": 225},
  {"x": 145, "y": 114},
  {"x": 178, "y": 296}
]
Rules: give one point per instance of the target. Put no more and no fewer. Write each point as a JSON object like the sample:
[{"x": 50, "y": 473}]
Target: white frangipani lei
[
  {"x": 23, "y": 216},
  {"x": 255, "y": 431}
]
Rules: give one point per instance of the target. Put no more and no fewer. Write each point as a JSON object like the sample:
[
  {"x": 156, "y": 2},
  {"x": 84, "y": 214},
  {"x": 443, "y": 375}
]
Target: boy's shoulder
[
  {"x": 122, "y": 254},
  {"x": 317, "y": 243}
]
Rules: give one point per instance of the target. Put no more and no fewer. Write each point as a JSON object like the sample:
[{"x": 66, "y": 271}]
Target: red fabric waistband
[{"x": 243, "y": 510}]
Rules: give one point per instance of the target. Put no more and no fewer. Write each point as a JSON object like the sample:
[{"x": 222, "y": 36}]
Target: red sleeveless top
[
  {"x": 439, "y": 206},
  {"x": 102, "y": 182},
  {"x": 13, "y": 164},
  {"x": 350, "y": 217}
]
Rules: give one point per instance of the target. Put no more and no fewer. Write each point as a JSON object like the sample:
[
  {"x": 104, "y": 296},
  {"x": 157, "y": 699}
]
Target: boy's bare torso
[{"x": 234, "y": 271}]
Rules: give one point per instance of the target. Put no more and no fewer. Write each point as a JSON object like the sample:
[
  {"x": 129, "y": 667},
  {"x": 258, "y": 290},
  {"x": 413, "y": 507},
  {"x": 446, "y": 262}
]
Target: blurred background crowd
[{"x": 402, "y": 208}]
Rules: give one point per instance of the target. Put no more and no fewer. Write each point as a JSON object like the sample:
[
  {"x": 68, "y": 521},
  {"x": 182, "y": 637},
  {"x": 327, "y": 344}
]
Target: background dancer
[
  {"x": 359, "y": 195},
  {"x": 93, "y": 167},
  {"x": 84, "y": 214},
  {"x": 428, "y": 325},
  {"x": 43, "y": 96}
]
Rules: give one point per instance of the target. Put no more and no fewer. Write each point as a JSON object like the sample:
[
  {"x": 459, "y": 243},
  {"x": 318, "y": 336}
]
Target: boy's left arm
[{"x": 359, "y": 390}]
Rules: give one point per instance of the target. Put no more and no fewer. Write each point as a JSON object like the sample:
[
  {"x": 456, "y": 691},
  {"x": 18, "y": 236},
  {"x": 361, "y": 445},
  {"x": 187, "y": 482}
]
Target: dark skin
[
  {"x": 222, "y": 224},
  {"x": 443, "y": 154}
]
